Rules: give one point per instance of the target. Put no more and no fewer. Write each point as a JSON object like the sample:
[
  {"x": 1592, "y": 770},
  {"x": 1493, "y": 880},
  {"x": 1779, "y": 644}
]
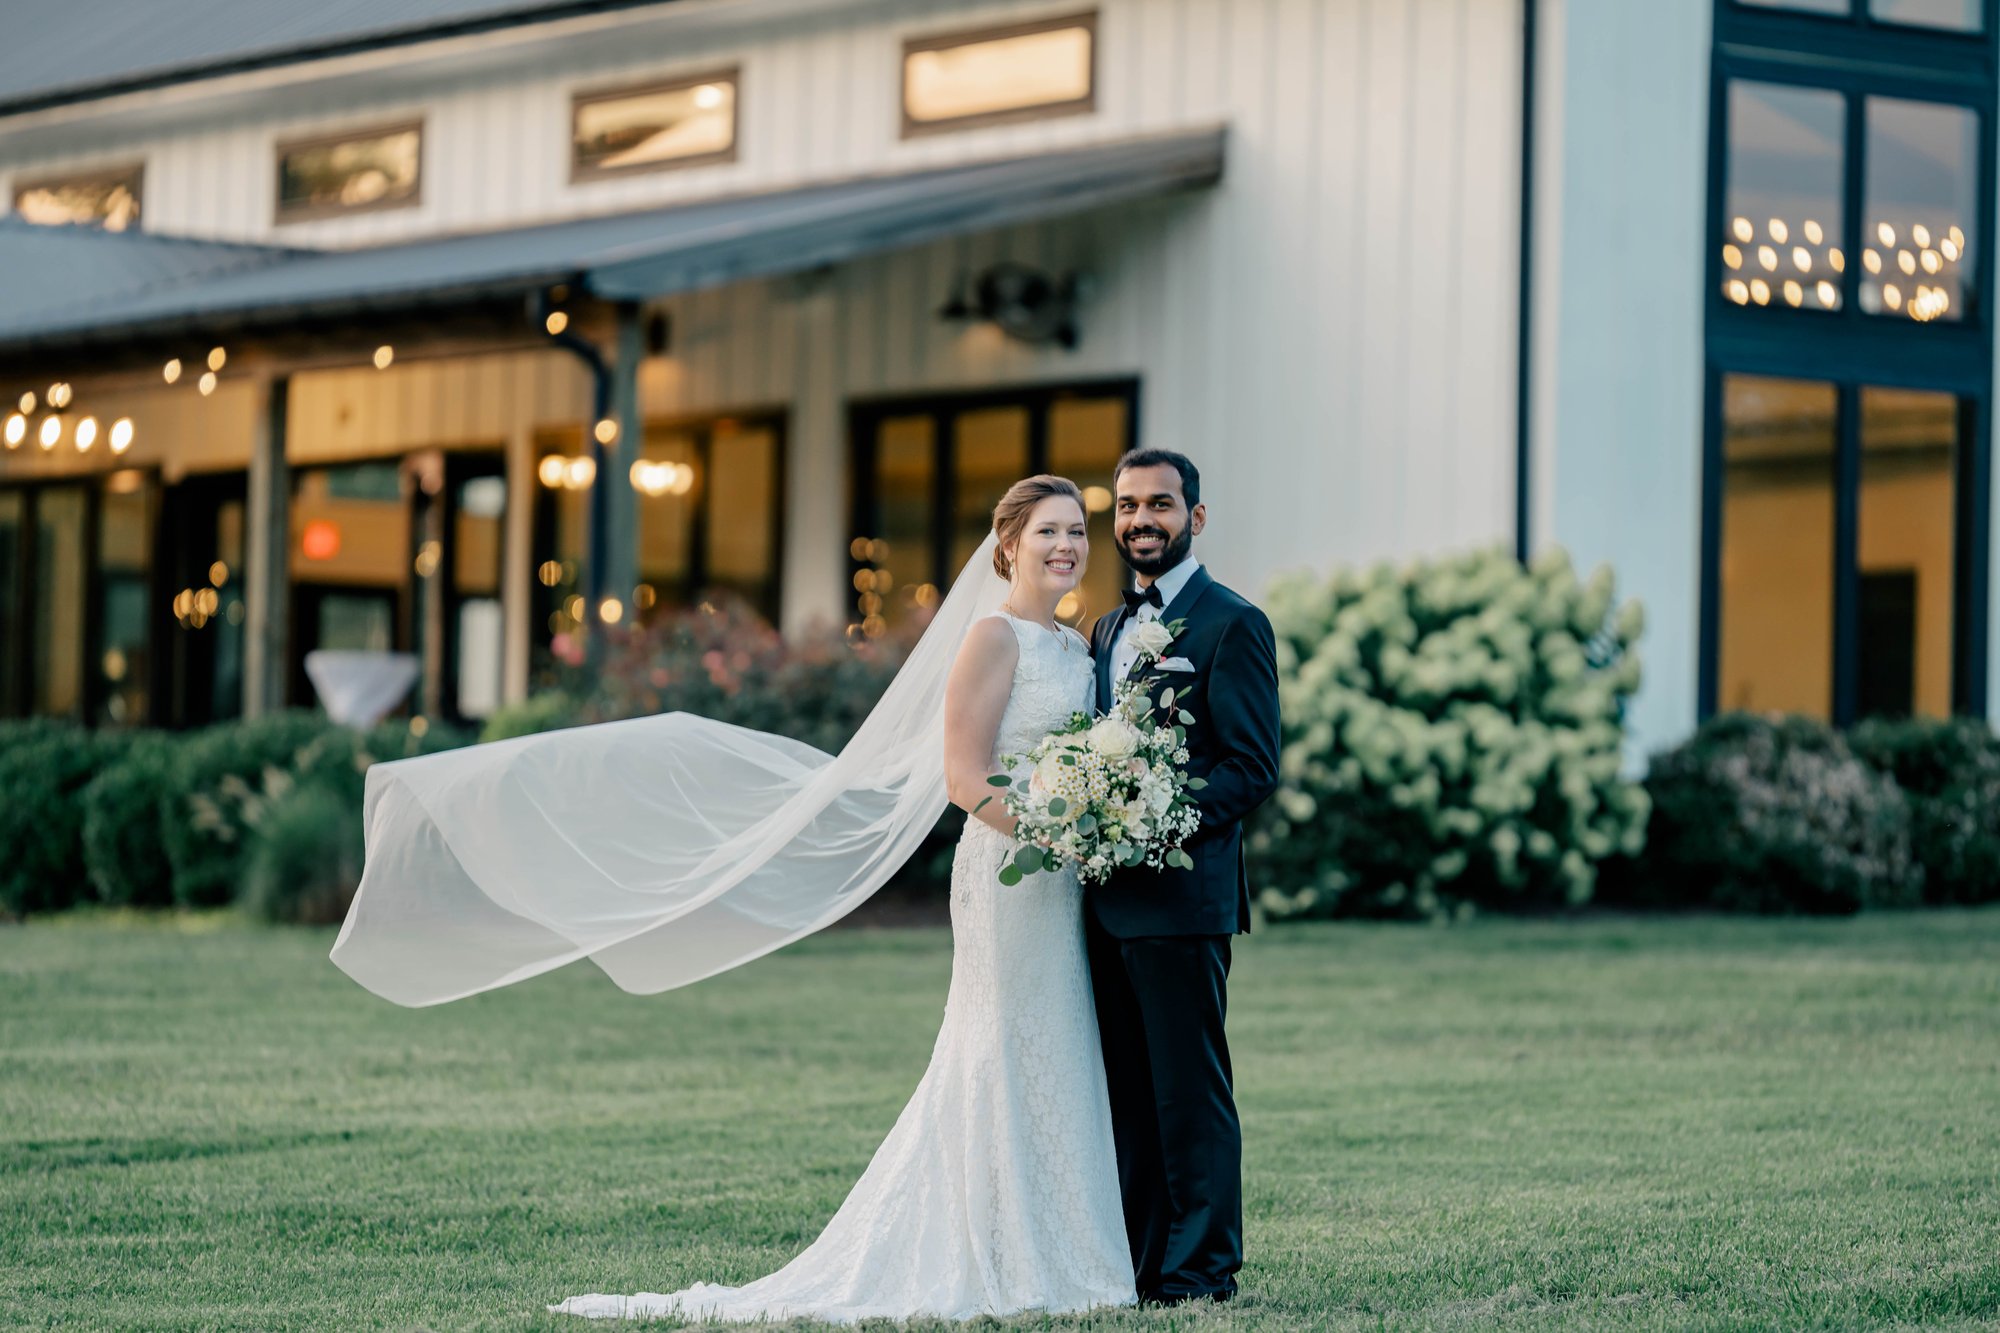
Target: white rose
[
  {"x": 1049, "y": 773},
  {"x": 1149, "y": 639},
  {"x": 1115, "y": 739}
]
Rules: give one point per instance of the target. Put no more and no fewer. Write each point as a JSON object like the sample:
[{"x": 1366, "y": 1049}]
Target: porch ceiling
[{"x": 95, "y": 289}]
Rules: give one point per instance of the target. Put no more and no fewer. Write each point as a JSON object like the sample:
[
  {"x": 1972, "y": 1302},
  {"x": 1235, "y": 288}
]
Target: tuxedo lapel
[
  {"x": 1184, "y": 601},
  {"x": 1103, "y": 663}
]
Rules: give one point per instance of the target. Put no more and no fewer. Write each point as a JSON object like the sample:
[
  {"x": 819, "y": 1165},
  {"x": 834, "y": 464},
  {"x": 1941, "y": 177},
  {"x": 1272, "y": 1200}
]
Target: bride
[{"x": 667, "y": 849}]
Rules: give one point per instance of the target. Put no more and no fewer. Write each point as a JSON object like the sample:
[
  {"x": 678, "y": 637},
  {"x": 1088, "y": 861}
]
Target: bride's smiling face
[{"x": 1053, "y": 549}]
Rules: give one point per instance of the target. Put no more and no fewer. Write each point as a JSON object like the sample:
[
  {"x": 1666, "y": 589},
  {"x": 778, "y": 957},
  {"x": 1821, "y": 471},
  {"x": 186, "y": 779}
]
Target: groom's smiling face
[{"x": 1153, "y": 526}]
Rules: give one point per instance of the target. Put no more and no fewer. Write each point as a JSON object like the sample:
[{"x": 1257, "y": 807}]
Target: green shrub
[
  {"x": 547, "y": 710},
  {"x": 1950, "y": 771},
  {"x": 303, "y": 860},
  {"x": 1772, "y": 814},
  {"x": 1452, "y": 739},
  {"x": 124, "y": 809},
  {"x": 220, "y": 777},
  {"x": 723, "y": 661},
  {"x": 43, "y": 769}
]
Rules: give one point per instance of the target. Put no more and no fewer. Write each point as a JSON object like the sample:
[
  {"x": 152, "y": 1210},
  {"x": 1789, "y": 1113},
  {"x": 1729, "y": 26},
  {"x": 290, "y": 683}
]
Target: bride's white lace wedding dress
[{"x": 997, "y": 1190}]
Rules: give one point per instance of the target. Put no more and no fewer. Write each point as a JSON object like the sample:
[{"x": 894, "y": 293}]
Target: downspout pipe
[{"x": 597, "y": 539}]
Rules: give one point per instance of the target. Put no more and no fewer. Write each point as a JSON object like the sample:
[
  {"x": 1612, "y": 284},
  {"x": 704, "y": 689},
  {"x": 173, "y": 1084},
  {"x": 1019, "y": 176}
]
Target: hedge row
[
  {"x": 269, "y": 807},
  {"x": 1784, "y": 814}
]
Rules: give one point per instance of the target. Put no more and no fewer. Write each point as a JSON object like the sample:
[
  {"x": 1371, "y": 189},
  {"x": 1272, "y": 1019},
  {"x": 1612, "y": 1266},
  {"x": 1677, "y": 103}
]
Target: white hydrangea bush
[{"x": 1453, "y": 736}]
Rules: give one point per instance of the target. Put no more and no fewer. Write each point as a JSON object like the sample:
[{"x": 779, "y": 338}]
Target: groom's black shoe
[{"x": 1184, "y": 1297}]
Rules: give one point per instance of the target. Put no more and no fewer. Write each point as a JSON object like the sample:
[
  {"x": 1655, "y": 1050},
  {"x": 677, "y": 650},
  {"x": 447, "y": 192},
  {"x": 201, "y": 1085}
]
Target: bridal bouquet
[{"x": 1100, "y": 793}]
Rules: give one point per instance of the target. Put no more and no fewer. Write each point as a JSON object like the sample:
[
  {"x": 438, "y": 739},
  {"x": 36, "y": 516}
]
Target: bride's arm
[{"x": 975, "y": 695}]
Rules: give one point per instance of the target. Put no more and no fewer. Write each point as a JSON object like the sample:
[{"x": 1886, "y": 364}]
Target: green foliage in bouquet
[
  {"x": 1949, "y": 769},
  {"x": 44, "y": 766},
  {"x": 1452, "y": 739},
  {"x": 1765, "y": 813}
]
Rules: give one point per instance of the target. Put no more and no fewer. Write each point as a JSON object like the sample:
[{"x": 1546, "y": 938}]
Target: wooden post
[
  {"x": 267, "y": 610},
  {"x": 621, "y": 510}
]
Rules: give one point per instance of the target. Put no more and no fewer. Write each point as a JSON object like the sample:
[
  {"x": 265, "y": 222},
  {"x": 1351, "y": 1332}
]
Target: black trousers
[{"x": 1161, "y": 1001}]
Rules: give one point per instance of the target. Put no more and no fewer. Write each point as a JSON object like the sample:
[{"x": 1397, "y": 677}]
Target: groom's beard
[{"x": 1172, "y": 551}]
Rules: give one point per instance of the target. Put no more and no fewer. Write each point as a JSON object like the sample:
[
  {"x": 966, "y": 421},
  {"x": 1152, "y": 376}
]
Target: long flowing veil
[{"x": 664, "y": 849}]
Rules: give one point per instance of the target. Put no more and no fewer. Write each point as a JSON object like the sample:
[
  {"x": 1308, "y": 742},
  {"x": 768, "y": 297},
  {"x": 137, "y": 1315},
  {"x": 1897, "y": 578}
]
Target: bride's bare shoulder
[{"x": 991, "y": 639}]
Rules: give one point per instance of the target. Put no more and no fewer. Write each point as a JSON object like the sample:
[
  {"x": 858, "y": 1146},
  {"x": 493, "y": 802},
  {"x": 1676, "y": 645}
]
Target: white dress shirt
[{"x": 1170, "y": 585}]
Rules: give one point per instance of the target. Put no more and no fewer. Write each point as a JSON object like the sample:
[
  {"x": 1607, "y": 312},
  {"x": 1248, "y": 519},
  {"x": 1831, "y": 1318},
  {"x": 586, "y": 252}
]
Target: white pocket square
[{"x": 1176, "y": 664}]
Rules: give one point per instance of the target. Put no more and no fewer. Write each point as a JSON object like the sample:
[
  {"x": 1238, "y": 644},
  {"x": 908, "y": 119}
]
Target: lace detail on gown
[{"x": 997, "y": 1190}]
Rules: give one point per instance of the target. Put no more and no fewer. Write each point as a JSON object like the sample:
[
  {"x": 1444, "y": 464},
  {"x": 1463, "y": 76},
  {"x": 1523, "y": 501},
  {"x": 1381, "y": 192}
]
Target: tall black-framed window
[
  {"x": 1849, "y": 357},
  {"x": 927, "y": 472}
]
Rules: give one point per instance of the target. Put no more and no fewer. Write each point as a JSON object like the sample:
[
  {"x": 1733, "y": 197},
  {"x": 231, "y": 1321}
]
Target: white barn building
[{"x": 307, "y": 312}]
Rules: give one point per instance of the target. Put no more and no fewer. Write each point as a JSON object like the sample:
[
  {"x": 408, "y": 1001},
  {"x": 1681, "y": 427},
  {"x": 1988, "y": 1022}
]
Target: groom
[{"x": 1159, "y": 939}]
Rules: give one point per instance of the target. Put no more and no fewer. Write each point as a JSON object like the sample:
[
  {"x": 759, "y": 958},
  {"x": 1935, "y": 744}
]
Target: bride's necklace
[{"x": 1056, "y": 629}]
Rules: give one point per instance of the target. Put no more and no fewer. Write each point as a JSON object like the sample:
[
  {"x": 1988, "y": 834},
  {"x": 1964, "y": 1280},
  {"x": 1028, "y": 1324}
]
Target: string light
[
  {"x": 121, "y": 435},
  {"x": 171, "y": 372},
  {"x": 1794, "y": 294},
  {"x": 1921, "y": 235},
  {"x": 17, "y": 430},
  {"x": 1802, "y": 259},
  {"x": 1768, "y": 258},
  {"x": 59, "y": 395},
  {"x": 51, "y": 432},
  {"x": 1828, "y": 294},
  {"x": 27, "y": 402},
  {"x": 1813, "y": 232},
  {"x": 217, "y": 358},
  {"x": 606, "y": 431},
  {"x": 556, "y": 322},
  {"x": 385, "y": 355},
  {"x": 1779, "y": 232},
  {"x": 1732, "y": 256},
  {"x": 1760, "y": 291},
  {"x": 86, "y": 434},
  {"x": 1738, "y": 291},
  {"x": 1742, "y": 230},
  {"x": 207, "y": 383}
]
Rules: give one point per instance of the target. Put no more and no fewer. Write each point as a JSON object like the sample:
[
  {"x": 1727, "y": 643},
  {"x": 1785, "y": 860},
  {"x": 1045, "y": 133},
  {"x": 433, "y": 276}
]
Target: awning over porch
[{"x": 134, "y": 287}]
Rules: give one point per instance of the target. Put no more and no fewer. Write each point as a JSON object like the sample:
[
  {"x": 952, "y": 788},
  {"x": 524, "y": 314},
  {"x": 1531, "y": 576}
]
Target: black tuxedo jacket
[{"x": 1233, "y": 694}]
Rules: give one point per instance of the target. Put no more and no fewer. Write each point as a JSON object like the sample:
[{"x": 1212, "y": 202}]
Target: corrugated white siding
[{"x": 1331, "y": 332}]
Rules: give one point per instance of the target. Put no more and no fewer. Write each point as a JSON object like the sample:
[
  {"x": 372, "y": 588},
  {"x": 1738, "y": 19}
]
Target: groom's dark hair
[{"x": 1181, "y": 463}]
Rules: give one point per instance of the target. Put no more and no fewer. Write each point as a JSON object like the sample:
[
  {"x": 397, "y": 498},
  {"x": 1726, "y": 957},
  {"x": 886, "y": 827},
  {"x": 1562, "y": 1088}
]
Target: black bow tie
[{"x": 1138, "y": 597}]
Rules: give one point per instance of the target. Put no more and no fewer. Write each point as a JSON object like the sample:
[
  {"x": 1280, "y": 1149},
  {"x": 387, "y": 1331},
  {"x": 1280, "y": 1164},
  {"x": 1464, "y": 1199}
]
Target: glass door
[
  {"x": 1838, "y": 586},
  {"x": 928, "y": 472}
]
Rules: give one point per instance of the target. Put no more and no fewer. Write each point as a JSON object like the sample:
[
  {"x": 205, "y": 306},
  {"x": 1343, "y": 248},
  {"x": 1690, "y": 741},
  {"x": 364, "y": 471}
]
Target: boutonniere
[{"x": 1150, "y": 640}]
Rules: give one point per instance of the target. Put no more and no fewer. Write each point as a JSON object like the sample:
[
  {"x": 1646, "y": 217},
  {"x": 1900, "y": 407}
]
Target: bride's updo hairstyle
[{"x": 1010, "y": 516}]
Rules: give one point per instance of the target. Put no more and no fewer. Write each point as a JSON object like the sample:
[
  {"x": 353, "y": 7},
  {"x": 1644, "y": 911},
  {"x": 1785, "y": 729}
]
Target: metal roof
[
  {"x": 74, "y": 52},
  {"x": 629, "y": 256},
  {"x": 47, "y": 269}
]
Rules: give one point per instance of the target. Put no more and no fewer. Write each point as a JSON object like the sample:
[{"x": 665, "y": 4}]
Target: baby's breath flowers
[{"x": 1101, "y": 793}]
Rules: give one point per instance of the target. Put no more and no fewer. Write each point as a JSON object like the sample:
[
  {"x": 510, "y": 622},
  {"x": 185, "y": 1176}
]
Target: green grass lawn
[{"x": 1609, "y": 1124}]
